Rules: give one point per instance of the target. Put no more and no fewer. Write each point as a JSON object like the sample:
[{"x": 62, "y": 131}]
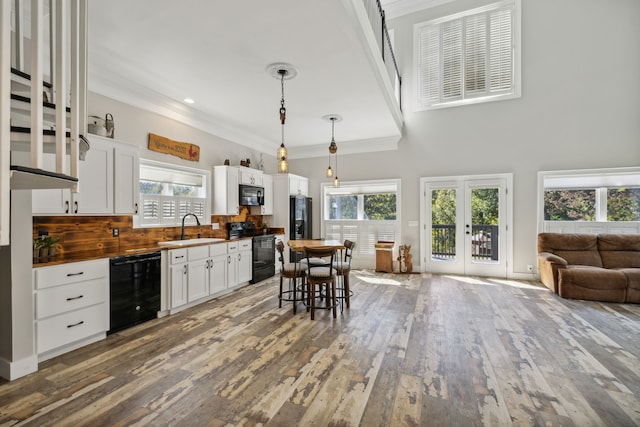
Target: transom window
[
  {"x": 469, "y": 57},
  {"x": 168, "y": 192}
]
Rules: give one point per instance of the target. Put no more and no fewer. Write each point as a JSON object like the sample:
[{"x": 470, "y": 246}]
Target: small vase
[{"x": 44, "y": 252}]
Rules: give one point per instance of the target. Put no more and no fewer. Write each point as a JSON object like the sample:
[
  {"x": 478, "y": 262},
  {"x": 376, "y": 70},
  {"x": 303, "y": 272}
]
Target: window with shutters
[
  {"x": 469, "y": 57},
  {"x": 169, "y": 192}
]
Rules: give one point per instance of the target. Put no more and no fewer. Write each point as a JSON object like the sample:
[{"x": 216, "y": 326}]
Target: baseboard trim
[{"x": 20, "y": 368}]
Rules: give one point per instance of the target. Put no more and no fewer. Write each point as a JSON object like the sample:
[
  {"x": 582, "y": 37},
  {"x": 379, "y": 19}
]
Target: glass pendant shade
[
  {"x": 336, "y": 182},
  {"x": 283, "y": 166},
  {"x": 329, "y": 172},
  {"x": 282, "y": 152}
]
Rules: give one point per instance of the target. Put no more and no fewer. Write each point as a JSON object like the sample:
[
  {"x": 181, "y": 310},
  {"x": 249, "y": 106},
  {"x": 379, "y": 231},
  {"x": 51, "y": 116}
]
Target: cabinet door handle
[
  {"x": 74, "y": 298},
  {"x": 66, "y": 206},
  {"x": 75, "y": 274},
  {"x": 136, "y": 208},
  {"x": 229, "y": 259},
  {"x": 179, "y": 256},
  {"x": 239, "y": 257},
  {"x": 184, "y": 269},
  {"x": 75, "y": 207},
  {"x": 76, "y": 324}
]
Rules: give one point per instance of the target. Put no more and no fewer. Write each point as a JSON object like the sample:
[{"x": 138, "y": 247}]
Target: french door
[{"x": 465, "y": 225}]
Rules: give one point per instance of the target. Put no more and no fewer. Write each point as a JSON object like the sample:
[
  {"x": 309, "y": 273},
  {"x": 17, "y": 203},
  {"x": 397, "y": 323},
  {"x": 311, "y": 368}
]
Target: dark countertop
[{"x": 88, "y": 255}]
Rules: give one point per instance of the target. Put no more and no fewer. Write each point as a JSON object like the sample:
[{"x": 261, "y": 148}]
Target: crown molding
[
  {"x": 387, "y": 143},
  {"x": 398, "y": 8}
]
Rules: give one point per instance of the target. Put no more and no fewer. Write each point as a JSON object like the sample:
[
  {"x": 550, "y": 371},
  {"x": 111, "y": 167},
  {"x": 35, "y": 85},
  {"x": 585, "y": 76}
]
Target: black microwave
[{"x": 251, "y": 195}]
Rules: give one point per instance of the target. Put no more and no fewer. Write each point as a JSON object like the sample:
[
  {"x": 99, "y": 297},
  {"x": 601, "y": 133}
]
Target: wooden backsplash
[{"x": 81, "y": 233}]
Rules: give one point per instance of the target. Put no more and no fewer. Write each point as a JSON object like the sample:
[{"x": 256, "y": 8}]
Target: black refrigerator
[{"x": 299, "y": 221}]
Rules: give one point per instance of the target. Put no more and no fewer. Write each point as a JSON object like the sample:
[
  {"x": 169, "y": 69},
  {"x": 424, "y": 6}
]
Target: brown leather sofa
[{"x": 597, "y": 267}]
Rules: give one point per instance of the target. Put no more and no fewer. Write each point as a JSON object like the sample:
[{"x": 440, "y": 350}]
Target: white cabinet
[
  {"x": 197, "y": 272},
  {"x": 217, "y": 268},
  {"x": 108, "y": 182},
  {"x": 250, "y": 176},
  {"x": 245, "y": 261},
  {"x": 178, "y": 277},
  {"x": 225, "y": 190},
  {"x": 267, "y": 183},
  {"x": 127, "y": 177},
  {"x": 232, "y": 264},
  {"x": 277, "y": 258},
  {"x": 298, "y": 185},
  {"x": 71, "y": 305}
]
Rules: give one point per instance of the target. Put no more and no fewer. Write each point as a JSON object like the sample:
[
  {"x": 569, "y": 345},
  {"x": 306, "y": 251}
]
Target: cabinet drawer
[
  {"x": 177, "y": 256},
  {"x": 232, "y": 247},
  {"x": 62, "y": 299},
  {"x": 69, "y": 327},
  {"x": 198, "y": 252},
  {"x": 46, "y": 277},
  {"x": 219, "y": 249},
  {"x": 245, "y": 245}
]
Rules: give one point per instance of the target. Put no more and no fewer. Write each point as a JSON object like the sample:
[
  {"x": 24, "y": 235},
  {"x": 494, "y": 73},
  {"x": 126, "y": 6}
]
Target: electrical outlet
[
  {"x": 530, "y": 268},
  {"x": 215, "y": 226},
  {"x": 116, "y": 232}
]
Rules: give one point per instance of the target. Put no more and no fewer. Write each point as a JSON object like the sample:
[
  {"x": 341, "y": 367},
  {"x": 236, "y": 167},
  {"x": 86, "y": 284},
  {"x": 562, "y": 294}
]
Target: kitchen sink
[{"x": 200, "y": 241}]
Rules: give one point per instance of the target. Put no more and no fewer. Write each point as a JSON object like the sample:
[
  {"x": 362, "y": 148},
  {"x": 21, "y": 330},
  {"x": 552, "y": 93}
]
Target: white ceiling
[{"x": 154, "y": 53}]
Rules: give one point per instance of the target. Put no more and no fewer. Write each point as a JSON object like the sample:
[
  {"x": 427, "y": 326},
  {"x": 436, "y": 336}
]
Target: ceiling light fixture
[
  {"x": 333, "y": 148},
  {"x": 283, "y": 72},
  {"x": 189, "y": 101}
]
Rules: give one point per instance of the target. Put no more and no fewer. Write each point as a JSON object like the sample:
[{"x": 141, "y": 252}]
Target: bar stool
[
  {"x": 321, "y": 278},
  {"x": 343, "y": 268},
  {"x": 292, "y": 271}
]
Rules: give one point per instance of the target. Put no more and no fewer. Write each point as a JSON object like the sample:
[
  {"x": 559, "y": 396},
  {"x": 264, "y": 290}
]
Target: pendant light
[
  {"x": 333, "y": 149},
  {"x": 282, "y": 71}
]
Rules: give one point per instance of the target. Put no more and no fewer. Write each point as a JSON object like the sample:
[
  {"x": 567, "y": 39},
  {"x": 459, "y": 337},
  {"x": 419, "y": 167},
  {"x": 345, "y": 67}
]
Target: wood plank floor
[{"x": 412, "y": 350}]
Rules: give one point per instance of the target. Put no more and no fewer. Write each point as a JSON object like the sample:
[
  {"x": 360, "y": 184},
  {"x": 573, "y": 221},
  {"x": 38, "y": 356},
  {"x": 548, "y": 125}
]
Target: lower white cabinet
[
  {"x": 198, "y": 272},
  {"x": 71, "y": 305},
  {"x": 245, "y": 261}
]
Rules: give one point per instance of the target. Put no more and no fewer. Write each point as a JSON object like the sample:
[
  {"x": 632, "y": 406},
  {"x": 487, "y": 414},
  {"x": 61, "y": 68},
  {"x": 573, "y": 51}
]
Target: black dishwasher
[{"x": 134, "y": 290}]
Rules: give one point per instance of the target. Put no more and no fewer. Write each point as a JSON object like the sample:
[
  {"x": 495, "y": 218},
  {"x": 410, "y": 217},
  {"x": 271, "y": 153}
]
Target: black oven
[
  {"x": 264, "y": 249},
  {"x": 264, "y": 257}
]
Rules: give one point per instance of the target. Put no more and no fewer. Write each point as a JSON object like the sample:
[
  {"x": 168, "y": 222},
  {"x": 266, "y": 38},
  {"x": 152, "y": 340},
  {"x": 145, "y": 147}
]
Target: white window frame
[
  {"x": 598, "y": 179},
  {"x": 422, "y": 69},
  {"x": 204, "y": 217},
  {"x": 364, "y": 252}
]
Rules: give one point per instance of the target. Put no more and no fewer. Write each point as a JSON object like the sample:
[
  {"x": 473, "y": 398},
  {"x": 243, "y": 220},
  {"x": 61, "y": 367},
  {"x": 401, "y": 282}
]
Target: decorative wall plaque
[{"x": 184, "y": 150}]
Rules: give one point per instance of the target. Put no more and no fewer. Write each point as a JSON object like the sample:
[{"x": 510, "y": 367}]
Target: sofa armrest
[
  {"x": 552, "y": 258},
  {"x": 548, "y": 265}
]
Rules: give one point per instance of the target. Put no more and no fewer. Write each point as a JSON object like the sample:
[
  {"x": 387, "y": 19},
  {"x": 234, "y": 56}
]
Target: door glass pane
[
  {"x": 443, "y": 224},
  {"x": 484, "y": 224}
]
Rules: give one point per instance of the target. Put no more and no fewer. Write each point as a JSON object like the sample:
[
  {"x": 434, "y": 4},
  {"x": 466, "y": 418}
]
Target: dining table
[{"x": 298, "y": 245}]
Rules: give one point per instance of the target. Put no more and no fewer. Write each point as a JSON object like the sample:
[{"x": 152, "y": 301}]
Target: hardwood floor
[{"x": 412, "y": 350}]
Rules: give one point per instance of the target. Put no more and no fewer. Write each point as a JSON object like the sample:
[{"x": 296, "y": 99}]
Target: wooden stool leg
[
  {"x": 280, "y": 294},
  {"x": 333, "y": 297},
  {"x": 347, "y": 292},
  {"x": 313, "y": 301}
]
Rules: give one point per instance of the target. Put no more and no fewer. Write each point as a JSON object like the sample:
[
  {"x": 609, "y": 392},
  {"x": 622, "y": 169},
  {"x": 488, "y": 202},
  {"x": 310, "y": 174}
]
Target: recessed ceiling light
[{"x": 189, "y": 101}]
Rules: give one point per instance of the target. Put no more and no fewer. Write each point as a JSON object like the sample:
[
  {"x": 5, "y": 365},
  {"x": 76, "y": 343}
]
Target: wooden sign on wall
[{"x": 184, "y": 150}]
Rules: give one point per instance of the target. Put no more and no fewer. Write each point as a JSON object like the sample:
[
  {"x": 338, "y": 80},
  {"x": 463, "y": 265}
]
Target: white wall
[
  {"x": 580, "y": 108},
  {"x": 133, "y": 125}
]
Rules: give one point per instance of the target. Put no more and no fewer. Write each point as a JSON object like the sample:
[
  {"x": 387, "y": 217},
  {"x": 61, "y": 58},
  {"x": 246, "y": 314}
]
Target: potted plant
[
  {"x": 50, "y": 242},
  {"x": 38, "y": 245},
  {"x": 265, "y": 228}
]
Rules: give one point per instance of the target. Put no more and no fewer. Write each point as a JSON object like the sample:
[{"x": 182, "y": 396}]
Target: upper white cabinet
[
  {"x": 250, "y": 176},
  {"x": 108, "y": 182},
  {"x": 267, "y": 208},
  {"x": 298, "y": 185},
  {"x": 127, "y": 178},
  {"x": 225, "y": 190}
]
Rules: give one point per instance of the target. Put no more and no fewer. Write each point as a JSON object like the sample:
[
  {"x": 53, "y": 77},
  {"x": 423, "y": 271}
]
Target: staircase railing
[{"x": 379, "y": 25}]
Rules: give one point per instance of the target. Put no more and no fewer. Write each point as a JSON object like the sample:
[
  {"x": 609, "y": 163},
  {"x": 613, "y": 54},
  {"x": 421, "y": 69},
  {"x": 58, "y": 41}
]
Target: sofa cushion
[
  {"x": 576, "y": 249},
  {"x": 592, "y": 283},
  {"x": 619, "y": 250},
  {"x": 633, "y": 282}
]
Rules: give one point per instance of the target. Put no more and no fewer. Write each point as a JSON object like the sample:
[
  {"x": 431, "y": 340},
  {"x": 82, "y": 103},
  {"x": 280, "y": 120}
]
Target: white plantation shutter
[
  {"x": 467, "y": 57},
  {"x": 475, "y": 57},
  {"x": 501, "y": 50},
  {"x": 452, "y": 60}
]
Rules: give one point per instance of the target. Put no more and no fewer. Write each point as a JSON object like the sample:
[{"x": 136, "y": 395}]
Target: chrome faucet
[{"x": 183, "y": 218}]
